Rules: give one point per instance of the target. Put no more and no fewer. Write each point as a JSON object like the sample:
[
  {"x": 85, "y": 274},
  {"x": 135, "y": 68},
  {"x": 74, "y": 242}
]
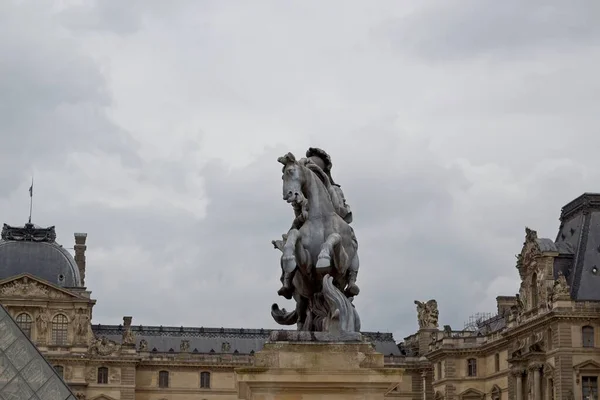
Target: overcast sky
[{"x": 155, "y": 127}]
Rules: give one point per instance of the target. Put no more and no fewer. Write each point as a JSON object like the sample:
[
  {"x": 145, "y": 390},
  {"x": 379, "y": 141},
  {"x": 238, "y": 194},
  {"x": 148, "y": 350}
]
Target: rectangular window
[
  {"x": 587, "y": 336},
  {"x": 471, "y": 367},
  {"x": 439, "y": 370},
  {"x": 163, "y": 379},
  {"x": 497, "y": 362},
  {"x": 103, "y": 375},
  {"x": 589, "y": 387}
]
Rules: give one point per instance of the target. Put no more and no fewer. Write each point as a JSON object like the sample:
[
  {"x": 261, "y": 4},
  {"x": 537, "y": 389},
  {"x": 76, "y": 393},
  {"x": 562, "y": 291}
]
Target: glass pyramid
[{"x": 24, "y": 372}]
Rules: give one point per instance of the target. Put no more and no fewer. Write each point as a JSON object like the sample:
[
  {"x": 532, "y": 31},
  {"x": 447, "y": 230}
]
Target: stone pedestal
[{"x": 311, "y": 366}]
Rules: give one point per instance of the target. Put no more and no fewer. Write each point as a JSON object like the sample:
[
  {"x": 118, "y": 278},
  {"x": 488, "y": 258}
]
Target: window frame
[
  {"x": 471, "y": 367},
  {"x": 102, "y": 375},
  {"x": 203, "y": 384},
  {"x": 163, "y": 379},
  {"x": 587, "y": 336},
  {"x": 594, "y": 387},
  {"x": 60, "y": 330},
  {"x": 26, "y": 325}
]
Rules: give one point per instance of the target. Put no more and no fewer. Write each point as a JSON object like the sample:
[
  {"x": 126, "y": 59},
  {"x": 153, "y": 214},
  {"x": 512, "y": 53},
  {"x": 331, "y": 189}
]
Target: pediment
[
  {"x": 28, "y": 286},
  {"x": 471, "y": 393},
  {"x": 103, "y": 397},
  {"x": 587, "y": 365}
]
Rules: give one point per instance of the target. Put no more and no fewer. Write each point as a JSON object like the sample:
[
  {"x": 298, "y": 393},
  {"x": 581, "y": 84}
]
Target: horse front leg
[
  {"x": 288, "y": 263},
  {"x": 327, "y": 249}
]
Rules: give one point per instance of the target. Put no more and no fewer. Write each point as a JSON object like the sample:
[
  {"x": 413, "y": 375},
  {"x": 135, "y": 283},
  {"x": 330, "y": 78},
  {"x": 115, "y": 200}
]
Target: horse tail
[
  {"x": 343, "y": 315},
  {"x": 283, "y": 317}
]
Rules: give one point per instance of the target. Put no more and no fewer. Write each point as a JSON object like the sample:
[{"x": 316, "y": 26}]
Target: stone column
[
  {"x": 80, "y": 248},
  {"x": 518, "y": 374},
  {"x": 537, "y": 380}
]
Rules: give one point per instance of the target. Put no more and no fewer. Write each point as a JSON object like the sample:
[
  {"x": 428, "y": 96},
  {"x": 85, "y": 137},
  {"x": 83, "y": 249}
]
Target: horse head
[{"x": 292, "y": 179}]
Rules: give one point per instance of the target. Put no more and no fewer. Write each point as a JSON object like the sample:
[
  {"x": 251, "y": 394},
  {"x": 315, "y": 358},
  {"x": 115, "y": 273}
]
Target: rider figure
[{"x": 320, "y": 158}]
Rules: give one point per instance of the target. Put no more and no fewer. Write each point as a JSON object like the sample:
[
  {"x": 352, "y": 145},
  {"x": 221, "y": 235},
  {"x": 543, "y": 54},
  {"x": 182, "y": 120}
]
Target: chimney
[
  {"x": 505, "y": 303},
  {"x": 80, "y": 254}
]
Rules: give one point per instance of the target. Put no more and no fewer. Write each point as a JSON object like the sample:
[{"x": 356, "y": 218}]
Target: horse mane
[{"x": 320, "y": 174}]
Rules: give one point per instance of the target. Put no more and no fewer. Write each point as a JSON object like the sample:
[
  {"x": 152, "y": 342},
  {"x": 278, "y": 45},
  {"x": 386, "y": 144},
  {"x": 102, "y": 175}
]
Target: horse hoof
[
  {"x": 285, "y": 292},
  {"x": 352, "y": 290}
]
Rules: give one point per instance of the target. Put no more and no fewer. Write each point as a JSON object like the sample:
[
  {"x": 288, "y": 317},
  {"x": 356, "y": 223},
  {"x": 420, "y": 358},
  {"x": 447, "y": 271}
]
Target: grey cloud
[
  {"x": 453, "y": 30},
  {"x": 53, "y": 97},
  {"x": 443, "y": 163}
]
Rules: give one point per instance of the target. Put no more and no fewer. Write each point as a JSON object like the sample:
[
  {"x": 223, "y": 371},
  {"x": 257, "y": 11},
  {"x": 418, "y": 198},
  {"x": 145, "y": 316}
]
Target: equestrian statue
[{"x": 319, "y": 259}]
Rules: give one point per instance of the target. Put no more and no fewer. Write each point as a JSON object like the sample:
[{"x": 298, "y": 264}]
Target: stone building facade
[
  {"x": 543, "y": 344},
  {"x": 43, "y": 288}
]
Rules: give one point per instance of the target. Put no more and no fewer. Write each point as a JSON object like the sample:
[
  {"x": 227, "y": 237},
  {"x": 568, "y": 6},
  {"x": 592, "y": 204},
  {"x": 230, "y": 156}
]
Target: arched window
[
  {"x": 60, "y": 327},
  {"x": 205, "y": 380},
  {"x": 24, "y": 321},
  {"x": 471, "y": 367},
  {"x": 59, "y": 370},
  {"x": 103, "y": 375},
  {"x": 587, "y": 336},
  {"x": 163, "y": 379},
  {"x": 534, "y": 292}
]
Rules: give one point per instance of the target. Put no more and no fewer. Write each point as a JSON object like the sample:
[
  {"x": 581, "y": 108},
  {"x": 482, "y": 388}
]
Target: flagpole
[{"x": 30, "y": 199}]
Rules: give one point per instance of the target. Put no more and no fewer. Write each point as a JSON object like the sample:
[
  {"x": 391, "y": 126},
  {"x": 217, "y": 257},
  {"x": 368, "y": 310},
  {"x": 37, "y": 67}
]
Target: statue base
[{"x": 316, "y": 366}]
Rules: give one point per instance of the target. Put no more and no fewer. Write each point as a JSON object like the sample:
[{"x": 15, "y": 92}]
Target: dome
[{"x": 33, "y": 250}]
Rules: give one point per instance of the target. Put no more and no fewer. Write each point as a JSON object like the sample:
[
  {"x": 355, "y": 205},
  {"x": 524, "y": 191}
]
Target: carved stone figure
[
  {"x": 427, "y": 314},
  {"x": 103, "y": 346},
  {"x": 561, "y": 288},
  {"x": 319, "y": 162},
  {"x": 81, "y": 326},
  {"x": 320, "y": 245},
  {"x": 42, "y": 320},
  {"x": 184, "y": 346},
  {"x": 128, "y": 337},
  {"x": 143, "y": 345}
]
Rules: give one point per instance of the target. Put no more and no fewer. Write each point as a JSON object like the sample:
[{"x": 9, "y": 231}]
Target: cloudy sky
[{"x": 155, "y": 127}]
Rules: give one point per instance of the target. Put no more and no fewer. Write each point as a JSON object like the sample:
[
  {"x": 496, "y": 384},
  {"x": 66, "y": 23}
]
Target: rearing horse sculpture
[{"x": 320, "y": 252}]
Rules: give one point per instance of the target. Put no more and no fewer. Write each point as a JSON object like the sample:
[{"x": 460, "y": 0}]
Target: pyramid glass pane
[{"x": 24, "y": 372}]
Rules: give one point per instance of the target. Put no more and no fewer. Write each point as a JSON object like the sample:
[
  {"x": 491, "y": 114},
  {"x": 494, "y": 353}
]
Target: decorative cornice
[
  {"x": 584, "y": 203},
  {"x": 28, "y": 233}
]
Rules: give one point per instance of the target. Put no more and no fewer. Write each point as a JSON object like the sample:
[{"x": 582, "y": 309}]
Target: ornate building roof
[
  {"x": 579, "y": 234},
  {"x": 32, "y": 249},
  {"x": 161, "y": 339}
]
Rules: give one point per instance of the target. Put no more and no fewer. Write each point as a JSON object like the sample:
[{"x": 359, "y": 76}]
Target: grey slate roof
[
  {"x": 580, "y": 231},
  {"x": 31, "y": 249},
  {"x": 215, "y": 340},
  {"x": 24, "y": 372}
]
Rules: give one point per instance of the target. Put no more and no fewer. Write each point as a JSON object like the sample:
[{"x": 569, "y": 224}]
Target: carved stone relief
[
  {"x": 103, "y": 346},
  {"x": 91, "y": 375},
  {"x": 115, "y": 375},
  {"x": 25, "y": 287}
]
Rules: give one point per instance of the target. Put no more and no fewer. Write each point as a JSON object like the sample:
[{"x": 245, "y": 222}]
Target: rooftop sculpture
[{"x": 319, "y": 259}]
